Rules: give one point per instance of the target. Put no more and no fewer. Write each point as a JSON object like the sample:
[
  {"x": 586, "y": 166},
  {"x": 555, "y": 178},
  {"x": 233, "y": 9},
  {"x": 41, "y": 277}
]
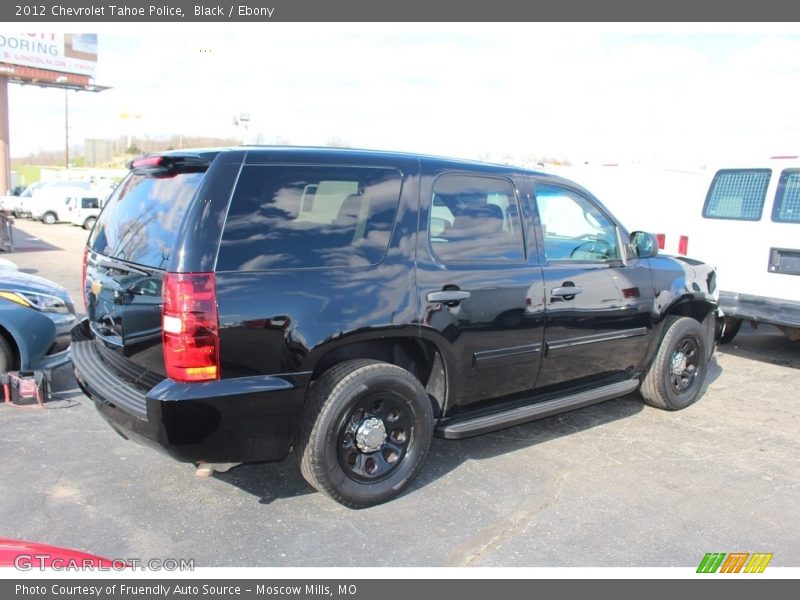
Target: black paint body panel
[{"x": 509, "y": 339}]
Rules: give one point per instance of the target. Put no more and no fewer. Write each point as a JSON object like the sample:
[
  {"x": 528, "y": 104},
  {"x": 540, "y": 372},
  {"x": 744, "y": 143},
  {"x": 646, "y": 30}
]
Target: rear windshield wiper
[{"x": 112, "y": 263}]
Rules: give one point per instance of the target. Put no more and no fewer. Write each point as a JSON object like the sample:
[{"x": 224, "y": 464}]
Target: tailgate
[{"x": 128, "y": 253}]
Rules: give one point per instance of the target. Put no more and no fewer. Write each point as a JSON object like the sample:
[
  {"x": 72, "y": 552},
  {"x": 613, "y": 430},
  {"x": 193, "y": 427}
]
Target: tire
[
  {"x": 89, "y": 223},
  {"x": 6, "y": 356},
  {"x": 49, "y": 218},
  {"x": 732, "y": 327},
  {"x": 365, "y": 432},
  {"x": 676, "y": 375}
]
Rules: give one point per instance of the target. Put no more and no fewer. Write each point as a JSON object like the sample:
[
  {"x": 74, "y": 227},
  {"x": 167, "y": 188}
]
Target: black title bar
[
  {"x": 96, "y": 11},
  {"x": 398, "y": 589}
]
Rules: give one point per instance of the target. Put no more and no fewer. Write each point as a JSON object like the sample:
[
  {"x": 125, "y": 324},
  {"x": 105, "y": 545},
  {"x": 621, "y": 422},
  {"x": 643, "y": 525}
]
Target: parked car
[
  {"x": 8, "y": 202},
  {"x": 25, "y": 556},
  {"x": 36, "y": 317},
  {"x": 13, "y": 204},
  {"x": 352, "y": 304},
  {"x": 83, "y": 210}
]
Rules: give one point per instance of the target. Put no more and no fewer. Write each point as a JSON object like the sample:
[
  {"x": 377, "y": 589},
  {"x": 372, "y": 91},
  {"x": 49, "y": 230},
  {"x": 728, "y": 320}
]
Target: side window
[
  {"x": 787, "y": 199},
  {"x": 737, "y": 194},
  {"x": 574, "y": 228},
  {"x": 296, "y": 217},
  {"x": 475, "y": 219}
]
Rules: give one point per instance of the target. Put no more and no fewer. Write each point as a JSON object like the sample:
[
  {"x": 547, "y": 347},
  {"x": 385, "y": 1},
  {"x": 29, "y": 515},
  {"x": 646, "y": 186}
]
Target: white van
[
  {"x": 750, "y": 230},
  {"x": 660, "y": 200},
  {"x": 48, "y": 202},
  {"x": 83, "y": 210}
]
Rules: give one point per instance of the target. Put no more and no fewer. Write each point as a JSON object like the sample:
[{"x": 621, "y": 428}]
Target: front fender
[
  {"x": 680, "y": 280},
  {"x": 31, "y": 332}
]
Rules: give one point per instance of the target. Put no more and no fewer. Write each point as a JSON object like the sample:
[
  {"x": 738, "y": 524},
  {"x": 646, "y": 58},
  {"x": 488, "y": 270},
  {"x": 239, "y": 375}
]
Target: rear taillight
[
  {"x": 83, "y": 278},
  {"x": 683, "y": 245},
  {"x": 662, "y": 240},
  {"x": 189, "y": 326}
]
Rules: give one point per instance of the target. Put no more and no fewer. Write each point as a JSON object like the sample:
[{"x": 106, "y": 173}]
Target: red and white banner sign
[{"x": 62, "y": 52}]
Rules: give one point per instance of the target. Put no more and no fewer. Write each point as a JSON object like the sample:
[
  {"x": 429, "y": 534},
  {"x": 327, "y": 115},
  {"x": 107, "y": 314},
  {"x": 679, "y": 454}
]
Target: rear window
[
  {"x": 737, "y": 194},
  {"x": 787, "y": 199},
  {"x": 142, "y": 217},
  {"x": 289, "y": 217}
]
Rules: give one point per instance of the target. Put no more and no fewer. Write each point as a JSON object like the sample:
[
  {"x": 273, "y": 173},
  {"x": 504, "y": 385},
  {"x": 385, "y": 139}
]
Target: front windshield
[{"x": 30, "y": 189}]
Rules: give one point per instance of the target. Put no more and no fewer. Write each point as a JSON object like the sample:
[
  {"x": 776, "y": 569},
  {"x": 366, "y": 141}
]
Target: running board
[{"x": 467, "y": 427}]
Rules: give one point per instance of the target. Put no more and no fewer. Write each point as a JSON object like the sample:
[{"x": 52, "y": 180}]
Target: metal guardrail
[{"x": 6, "y": 233}]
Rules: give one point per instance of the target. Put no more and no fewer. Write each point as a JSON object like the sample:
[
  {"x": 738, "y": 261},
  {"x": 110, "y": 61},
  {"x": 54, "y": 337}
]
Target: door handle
[
  {"x": 448, "y": 296},
  {"x": 566, "y": 291}
]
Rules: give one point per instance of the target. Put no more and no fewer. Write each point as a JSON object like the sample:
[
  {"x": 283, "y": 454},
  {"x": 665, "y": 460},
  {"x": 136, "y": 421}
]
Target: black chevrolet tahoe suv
[{"x": 349, "y": 305}]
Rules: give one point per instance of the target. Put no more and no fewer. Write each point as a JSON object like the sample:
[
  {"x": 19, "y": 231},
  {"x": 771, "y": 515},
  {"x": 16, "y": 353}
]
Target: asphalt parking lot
[{"x": 616, "y": 484}]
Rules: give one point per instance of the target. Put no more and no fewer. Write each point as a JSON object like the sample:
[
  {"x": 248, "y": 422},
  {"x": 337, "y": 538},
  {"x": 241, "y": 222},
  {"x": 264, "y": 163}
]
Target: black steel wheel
[
  {"x": 683, "y": 365},
  {"x": 374, "y": 437},
  {"x": 675, "y": 377},
  {"x": 365, "y": 433}
]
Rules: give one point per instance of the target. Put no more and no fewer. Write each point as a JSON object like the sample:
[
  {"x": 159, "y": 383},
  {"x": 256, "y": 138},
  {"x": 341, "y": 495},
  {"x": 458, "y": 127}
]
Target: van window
[
  {"x": 291, "y": 217},
  {"x": 475, "y": 219},
  {"x": 737, "y": 194},
  {"x": 787, "y": 199}
]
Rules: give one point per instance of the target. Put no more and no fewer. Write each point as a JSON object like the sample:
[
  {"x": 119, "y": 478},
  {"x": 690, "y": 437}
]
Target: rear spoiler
[{"x": 159, "y": 165}]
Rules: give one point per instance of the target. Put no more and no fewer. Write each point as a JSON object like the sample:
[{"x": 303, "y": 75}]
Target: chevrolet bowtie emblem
[{"x": 96, "y": 287}]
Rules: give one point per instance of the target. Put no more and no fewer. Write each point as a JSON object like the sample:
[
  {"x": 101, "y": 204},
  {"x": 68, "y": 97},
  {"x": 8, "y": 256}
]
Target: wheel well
[
  {"x": 11, "y": 344},
  {"x": 418, "y": 357},
  {"x": 699, "y": 311},
  {"x": 696, "y": 309}
]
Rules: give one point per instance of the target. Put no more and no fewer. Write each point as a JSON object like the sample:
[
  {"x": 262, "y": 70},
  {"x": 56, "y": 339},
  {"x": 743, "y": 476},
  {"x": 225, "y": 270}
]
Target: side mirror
[{"x": 644, "y": 244}]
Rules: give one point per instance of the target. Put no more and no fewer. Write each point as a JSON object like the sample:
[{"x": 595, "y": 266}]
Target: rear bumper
[
  {"x": 760, "y": 308},
  {"x": 231, "y": 420}
]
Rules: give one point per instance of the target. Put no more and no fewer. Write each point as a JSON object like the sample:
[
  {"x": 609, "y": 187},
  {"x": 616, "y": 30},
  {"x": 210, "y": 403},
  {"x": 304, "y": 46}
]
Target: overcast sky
[{"x": 678, "y": 94}]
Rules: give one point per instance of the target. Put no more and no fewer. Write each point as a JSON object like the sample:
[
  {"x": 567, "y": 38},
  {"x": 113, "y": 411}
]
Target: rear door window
[
  {"x": 141, "y": 219},
  {"x": 787, "y": 199},
  {"x": 297, "y": 217},
  {"x": 474, "y": 219},
  {"x": 737, "y": 194}
]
